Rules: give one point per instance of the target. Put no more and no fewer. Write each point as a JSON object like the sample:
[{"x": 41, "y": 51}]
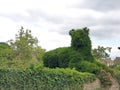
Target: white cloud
[
  {"x": 51, "y": 20},
  {"x": 7, "y": 29}
]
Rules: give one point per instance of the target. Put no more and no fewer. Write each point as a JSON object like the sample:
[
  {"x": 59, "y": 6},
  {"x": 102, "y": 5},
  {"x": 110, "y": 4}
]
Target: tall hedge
[{"x": 43, "y": 79}]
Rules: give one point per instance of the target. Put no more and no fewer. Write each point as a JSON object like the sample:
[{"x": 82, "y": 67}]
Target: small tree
[
  {"x": 23, "y": 44},
  {"x": 101, "y": 52}
]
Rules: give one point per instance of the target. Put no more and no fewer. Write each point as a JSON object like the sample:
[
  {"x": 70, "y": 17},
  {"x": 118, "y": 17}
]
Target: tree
[
  {"x": 101, "y": 52},
  {"x": 23, "y": 44}
]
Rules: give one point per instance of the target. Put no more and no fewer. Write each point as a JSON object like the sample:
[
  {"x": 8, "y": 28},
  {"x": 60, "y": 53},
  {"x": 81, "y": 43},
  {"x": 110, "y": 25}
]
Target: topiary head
[{"x": 80, "y": 38}]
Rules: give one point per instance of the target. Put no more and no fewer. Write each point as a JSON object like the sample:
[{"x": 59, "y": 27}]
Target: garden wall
[{"x": 96, "y": 84}]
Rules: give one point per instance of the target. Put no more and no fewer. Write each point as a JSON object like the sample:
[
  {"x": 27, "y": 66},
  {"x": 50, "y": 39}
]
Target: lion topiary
[{"x": 80, "y": 50}]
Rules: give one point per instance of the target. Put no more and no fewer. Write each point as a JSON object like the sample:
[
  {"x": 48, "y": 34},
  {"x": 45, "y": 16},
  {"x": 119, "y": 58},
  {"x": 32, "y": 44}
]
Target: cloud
[
  {"x": 98, "y": 5},
  {"x": 51, "y": 20}
]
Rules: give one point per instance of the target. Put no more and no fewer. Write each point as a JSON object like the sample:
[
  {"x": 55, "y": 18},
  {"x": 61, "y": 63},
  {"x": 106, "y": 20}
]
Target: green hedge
[
  {"x": 43, "y": 79},
  {"x": 80, "y": 50},
  {"x": 61, "y": 57}
]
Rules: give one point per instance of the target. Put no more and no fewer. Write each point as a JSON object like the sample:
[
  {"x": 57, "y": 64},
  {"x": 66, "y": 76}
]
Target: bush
[
  {"x": 69, "y": 56},
  {"x": 61, "y": 57},
  {"x": 43, "y": 79},
  {"x": 86, "y": 66},
  {"x": 6, "y": 52},
  {"x": 50, "y": 59},
  {"x": 79, "y": 50},
  {"x": 104, "y": 67}
]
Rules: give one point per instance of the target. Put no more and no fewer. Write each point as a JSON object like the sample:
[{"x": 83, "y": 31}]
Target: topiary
[
  {"x": 71, "y": 56},
  {"x": 81, "y": 42}
]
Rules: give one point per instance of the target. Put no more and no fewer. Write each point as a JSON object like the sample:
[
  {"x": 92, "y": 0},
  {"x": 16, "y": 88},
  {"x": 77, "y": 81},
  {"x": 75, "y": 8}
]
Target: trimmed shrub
[
  {"x": 80, "y": 50},
  {"x": 51, "y": 59},
  {"x": 81, "y": 42}
]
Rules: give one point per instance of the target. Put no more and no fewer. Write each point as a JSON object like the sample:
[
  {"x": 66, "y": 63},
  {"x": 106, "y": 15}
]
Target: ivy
[{"x": 43, "y": 79}]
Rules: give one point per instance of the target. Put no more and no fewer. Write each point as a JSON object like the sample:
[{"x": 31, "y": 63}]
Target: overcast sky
[{"x": 51, "y": 20}]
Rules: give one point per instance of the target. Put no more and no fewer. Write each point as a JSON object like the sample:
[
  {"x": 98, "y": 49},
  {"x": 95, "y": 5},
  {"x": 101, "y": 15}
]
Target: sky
[{"x": 51, "y": 20}]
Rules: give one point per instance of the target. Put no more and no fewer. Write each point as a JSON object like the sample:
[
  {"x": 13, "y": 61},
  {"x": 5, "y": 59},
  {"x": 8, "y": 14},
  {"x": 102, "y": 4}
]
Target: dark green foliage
[
  {"x": 51, "y": 59},
  {"x": 75, "y": 60},
  {"x": 61, "y": 57},
  {"x": 43, "y": 79},
  {"x": 82, "y": 43},
  {"x": 80, "y": 39},
  {"x": 71, "y": 56},
  {"x": 86, "y": 66}
]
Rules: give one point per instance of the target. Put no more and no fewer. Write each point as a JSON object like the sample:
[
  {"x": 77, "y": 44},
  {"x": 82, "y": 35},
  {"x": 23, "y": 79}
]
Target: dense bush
[
  {"x": 6, "y": 52},
  {"x": 61, "y": 57},
  {"x": 71, "y": 56},
  {"x": 86, "y": 66},
  {"x": 43, "y": 79},
  {"x": 51, "y": 59}
]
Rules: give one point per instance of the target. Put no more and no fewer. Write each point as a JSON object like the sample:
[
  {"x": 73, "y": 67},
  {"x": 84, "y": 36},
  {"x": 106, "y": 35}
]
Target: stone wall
[
  {"x": 92, "y": 86},
  {"x": 96, "y": 84},
  {"x": 115, "y": 85}
]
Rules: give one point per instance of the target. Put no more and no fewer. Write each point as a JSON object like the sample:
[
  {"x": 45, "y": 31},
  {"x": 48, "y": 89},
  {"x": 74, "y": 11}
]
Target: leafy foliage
[
  {"x": 77, "y": 56},
  {"x": 21, "y": 52},
  {"x": 86, "y": 66},
  {"x": 101, "y": 52},
  {"x": 17, "y": 63},
  {"x": 71, "y": 56},
  {"x": 81, "y": 42},
  {"x": 23, "y": 44},
  {"x": 39, "y": 53},
  {"x": 61, "y": 57},
  {"x": 6, "y": 51},
  {"x": 80, "y": 38},
  {"x": 43, "y": 79}
]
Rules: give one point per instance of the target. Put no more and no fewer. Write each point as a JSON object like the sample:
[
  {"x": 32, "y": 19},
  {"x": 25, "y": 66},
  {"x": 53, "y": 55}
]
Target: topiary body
[{"x": 80, "y": 50}]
